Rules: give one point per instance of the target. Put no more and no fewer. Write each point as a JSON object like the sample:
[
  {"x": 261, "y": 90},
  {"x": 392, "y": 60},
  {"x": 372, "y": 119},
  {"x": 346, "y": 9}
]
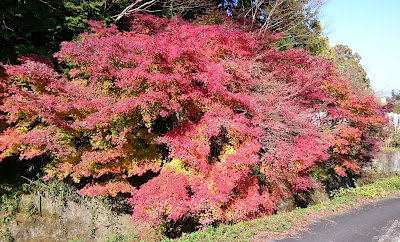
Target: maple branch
[{"x": 131, "y": 8}]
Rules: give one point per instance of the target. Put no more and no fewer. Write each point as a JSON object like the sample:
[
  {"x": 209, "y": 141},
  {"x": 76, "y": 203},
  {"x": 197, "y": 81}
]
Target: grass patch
[
  {"x": 373, "y": 175},
  {"x": 391, "y": 148},
  {"x": 121, "y": 238}
]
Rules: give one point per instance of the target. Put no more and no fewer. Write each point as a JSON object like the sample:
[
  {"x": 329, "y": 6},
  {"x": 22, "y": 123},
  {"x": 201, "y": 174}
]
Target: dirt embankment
[{"x": 49, "y": 219}]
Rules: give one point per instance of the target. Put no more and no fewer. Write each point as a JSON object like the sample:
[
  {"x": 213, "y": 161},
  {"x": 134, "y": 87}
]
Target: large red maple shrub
[{"x": 207, "y": 122}]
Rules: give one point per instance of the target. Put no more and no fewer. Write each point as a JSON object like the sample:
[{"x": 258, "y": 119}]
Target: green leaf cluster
[{"x": 38, "y": 27}]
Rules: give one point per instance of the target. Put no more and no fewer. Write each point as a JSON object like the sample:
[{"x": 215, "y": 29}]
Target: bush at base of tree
[{"x": 201, "y": 122}]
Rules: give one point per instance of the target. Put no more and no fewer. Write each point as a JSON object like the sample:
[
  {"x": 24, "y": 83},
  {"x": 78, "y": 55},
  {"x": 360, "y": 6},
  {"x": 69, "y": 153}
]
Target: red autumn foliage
[{"x": 201, "y": 121}]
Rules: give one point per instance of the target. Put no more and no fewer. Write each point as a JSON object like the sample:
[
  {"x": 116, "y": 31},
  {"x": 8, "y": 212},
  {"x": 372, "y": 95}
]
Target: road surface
[{"x": 378, "y": 222}]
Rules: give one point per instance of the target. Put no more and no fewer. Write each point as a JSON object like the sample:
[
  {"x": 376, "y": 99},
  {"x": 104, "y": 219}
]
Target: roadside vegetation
[
  {"x": 373, "y": 185},
  {"x": 288, "y": 223}
]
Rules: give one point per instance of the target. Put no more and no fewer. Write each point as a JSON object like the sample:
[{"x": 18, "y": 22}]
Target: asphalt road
[{"x": 379, "y": 221}]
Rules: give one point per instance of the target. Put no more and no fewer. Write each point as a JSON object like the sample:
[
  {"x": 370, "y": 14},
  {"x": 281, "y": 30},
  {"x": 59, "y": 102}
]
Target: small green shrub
[
  {"x": 122, "y": 238},
  {"x": 8, "y": 207}
]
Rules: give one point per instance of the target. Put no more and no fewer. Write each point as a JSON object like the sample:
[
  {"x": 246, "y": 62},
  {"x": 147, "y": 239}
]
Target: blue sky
[{"x": 372, "y": 29}]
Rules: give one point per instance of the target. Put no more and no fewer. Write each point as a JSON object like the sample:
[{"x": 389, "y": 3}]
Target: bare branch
[
  {"x": 48, "y": 4},
  {"x": 6, "y": 27},
  {"x": 134, "y": 7},
  {"x": 176, "y": 6},
  {"x": 265, "y": 25}
]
